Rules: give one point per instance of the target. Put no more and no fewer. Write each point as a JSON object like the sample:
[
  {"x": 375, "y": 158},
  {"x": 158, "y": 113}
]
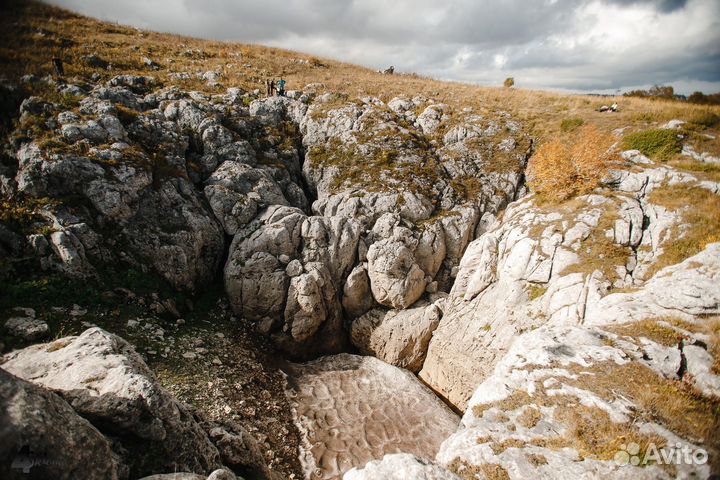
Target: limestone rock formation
[
  {"x": 42, "y": 437},
  {"x": 357, "y": 298},
  {"x": 159, "y": 174},
  {"x": 23, "y": 324},
  {"x": 352, "y": 409},
  {"x": 553, "y": 266},
  {"x": 686, "y": 290},
  {"x": 398, "y": 337},
  {"x": 568, "y": 401},
  {"x": 286, "y": 271},
  {"x": 106, "y": 382},
  {"x": 136, "y": 168},
  {"x": 237, "y": 192}
]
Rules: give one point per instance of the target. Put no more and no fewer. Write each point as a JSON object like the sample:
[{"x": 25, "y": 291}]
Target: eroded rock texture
[
  {"x": 335, "y": 206},
  {"x": 353, "y": 409},
  {"x": 557, "y": 402},
  {"x": 374, "y": 239},
  {"x": 400, "y": 466},
  {"x": 556, "y": 266}
]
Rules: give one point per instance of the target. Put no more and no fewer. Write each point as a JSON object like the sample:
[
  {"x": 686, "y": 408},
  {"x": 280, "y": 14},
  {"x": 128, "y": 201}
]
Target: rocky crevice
[
  {"x": 401, "y": 231},
  {"x": 322, "y": 257}
]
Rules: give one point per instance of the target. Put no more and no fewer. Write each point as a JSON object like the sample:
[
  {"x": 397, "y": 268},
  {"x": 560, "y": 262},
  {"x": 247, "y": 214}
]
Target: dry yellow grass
[
  {"x": 489, "y": 471},
  {"x": 530, "y": 417},
  {"x": 675, "y": 405},
  {"x": 31, "y": 34},
  {"x": 649, "y": 329}
]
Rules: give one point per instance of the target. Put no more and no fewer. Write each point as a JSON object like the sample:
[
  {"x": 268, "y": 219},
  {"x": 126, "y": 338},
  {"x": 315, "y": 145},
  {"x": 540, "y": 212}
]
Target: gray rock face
[
  {"x": 398, "y": 337},
  {"x": 552, "y": 381},
  {"x": 184, "y": 246},
  {"x": 142, "y": 191},
  {"x": 351, "y": 410},
  {"x": 237, "y": 192},
  {"x": 106, "y": 382},
  {"x": 182, "y": 167},
  {"x": 275, "y": 109},
  {"x": 357, "y": 297},
  {"x": 42, "y": 437},
  {"x": 396, "y": 280},
  {"x": 541, "y": 266},
  {"x": 685, "y": 290},
  {"x": 298, "y": 300},
  {"x": 175, "y": 233},
  {"x": 25, "y": 325},
  {"x": 415, "y": 234}
]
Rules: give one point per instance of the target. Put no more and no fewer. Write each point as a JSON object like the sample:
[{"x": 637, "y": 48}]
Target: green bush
[
  {"x": 657, "y": 144},
  {"x": 570, "y": 124}
]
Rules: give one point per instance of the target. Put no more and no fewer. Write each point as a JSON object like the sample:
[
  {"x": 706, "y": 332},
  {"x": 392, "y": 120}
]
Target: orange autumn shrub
[{"x": 561, "y": 170}]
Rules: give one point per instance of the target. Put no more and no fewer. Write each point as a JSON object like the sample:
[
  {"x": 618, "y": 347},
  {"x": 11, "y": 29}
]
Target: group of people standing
[{"x": 275, "y": 88}]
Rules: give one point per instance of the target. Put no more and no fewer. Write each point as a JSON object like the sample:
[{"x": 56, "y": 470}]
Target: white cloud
[{"x": 561, "y": 44}]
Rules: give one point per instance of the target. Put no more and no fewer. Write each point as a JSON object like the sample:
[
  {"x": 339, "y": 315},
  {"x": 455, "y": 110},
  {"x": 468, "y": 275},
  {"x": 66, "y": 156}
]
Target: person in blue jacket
[{"x": 281, "y": 87}]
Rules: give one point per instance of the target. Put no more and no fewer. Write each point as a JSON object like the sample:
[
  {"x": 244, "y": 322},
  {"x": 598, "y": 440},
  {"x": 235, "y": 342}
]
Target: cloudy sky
[{"x": 580, "y": 45}]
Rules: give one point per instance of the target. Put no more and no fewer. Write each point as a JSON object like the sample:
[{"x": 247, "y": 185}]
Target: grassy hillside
[{"x": 31, "y": 34}]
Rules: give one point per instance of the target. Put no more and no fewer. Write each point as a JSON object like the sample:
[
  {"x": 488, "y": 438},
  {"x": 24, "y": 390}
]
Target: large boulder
[
  {"x": 42, "y": 437},
  {"x": 106, "y": 382},
  {"x": 396, "y": 280},
  {"x": 398, "y": 337},
  {"x": 357, "y": 297},
  {"x": 237, "y": 192},
  {"x": 23, "y": 324}
]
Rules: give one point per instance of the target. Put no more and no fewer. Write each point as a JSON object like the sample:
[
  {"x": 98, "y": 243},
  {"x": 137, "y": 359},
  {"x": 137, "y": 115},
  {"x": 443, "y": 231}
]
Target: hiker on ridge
[{"x": 281, "y": 88}]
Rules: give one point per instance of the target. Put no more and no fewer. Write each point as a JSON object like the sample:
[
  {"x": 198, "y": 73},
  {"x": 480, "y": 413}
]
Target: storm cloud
[{"x": 579, "y": 45}]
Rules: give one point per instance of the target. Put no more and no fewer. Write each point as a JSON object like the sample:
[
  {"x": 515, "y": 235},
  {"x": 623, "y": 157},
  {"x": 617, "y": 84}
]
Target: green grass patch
[{"x": 656, "y": 144}]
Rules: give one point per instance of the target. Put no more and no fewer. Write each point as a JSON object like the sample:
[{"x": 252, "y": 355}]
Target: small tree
[{"x": 509, "y": 82}]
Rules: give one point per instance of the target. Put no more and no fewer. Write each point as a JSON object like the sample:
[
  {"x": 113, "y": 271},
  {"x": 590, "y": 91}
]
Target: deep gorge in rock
[{"x": 319, "y": 285}]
